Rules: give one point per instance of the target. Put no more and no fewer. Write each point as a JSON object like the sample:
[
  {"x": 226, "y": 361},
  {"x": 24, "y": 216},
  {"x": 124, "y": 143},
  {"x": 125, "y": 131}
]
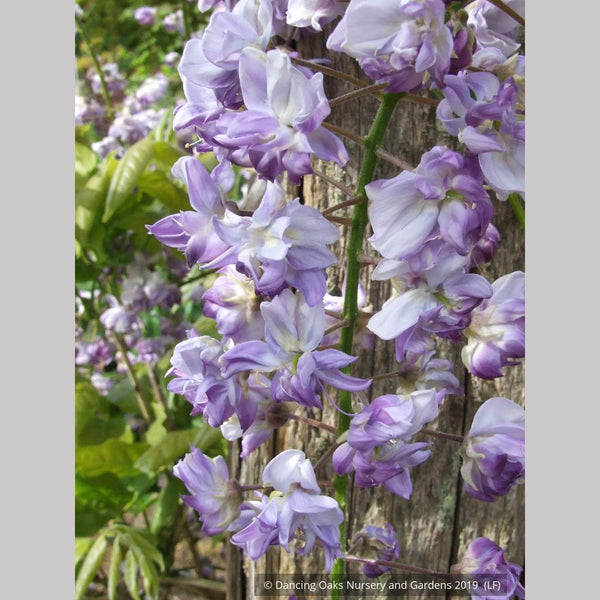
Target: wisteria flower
[
  {"x": 192, "y": 232},
  {"x": 486, "y": 559},
  {"x": 496, "y": 334},
  {"x": 293, "y": 331},
  {"x": 295, "y": 504},
  {"x": 313, "y": 13},
  {"x": 402, "y": 42},
  {"x": 215, "y": 496},
  {"x": 145, "y": 15},
  {"x": 377, "y": 449},
  {"x": 494, "y": 450},
  {"x": 281, "y": 243},
  {"x": 281, "y": 127},
  {"x": 385, "y": 543},
  {"x": 232, "y": 302},
  {"x": 441, "y": 198}
]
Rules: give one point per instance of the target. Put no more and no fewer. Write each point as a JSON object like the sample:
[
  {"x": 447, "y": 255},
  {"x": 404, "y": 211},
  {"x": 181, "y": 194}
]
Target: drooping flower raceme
[
  {"x": 400, "y": 42},
  {"x": 213, "y": 494},
  {"x": 293, "y": 331},
  {"x": 377, "y": 449},
  {"x": 295, "y": 504},
  {"x": 486, "y": 559},
  {"x": 496, "y": 334},
  {"x": 494, "y": 450}
]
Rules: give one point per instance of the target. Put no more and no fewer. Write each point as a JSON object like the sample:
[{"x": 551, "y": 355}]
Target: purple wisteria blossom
[
  {"x": 485, "y": 558},
  {"x": 402, "y": 42},
  {"x": 442, "y": 198},
  {"x": 282, "y": 243},
  {"x": 196, "y": 365},
  {"x": 488, "y": 117},
  {"x": 313, "y": 13},
  {"x": 434, "y": 293},
  {"x": 152, "y": 89},
  {"x": 232, "y": 302},
  {"x": 213, "y": 494},
  {"x": 118, "y": 317},
  {"x": 174, "y": 22},
  {"x": 296, "y": 504},
  {"x": 377, "y": 449},
  {"x": 385, "y": 543},
  {"x": 494, "y": 450},
  {"x": 281, "y": 127},
  {"x": 492, "y": 28},
  {"x": 145, "y": 15},
  {"x": 293, "y": 331},
  {"x": 211, "y": 60},
  {"x": 192, "y": 232},
  {"x": 496, "y": 334}
]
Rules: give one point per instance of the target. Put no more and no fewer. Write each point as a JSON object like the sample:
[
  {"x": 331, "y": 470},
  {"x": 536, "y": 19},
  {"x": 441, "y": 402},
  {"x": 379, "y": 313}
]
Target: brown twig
[{"x": 376, "y": 87}]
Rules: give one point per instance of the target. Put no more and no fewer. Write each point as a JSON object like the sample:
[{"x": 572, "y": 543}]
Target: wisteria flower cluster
[{"x": 260, "y": 107}]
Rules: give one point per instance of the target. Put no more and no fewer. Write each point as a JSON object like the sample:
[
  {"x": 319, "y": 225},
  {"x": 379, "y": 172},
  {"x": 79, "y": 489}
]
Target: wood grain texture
[{"x": 439, "y": 521}]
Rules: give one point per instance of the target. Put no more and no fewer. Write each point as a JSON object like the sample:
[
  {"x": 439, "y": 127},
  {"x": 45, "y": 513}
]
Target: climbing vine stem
[{"x": 360, "y": 219}]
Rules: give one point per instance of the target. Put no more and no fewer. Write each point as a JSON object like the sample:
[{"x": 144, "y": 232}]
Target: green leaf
[
  {"x": 85, "y": 160},
  {"x": 166, "y": 515},
  {"x": 97, "y": 500},
  {"x": 165, "y": 155},
  {"x": 88, "y": 204},
  {"x": 82, "y": 545},
  {"x": 113, "y": 456},
  {"x": 130, "y": 168},
  {"x": 90, "y": 567},
  {"x": 149, "y": 574},
  {"x": 131, "y": 577},
  {"x": 149, "y": 550},
  {"x": 174, "y": 445},
  {"x": 159, "y": 186},
  {"x": 87, "y": 402},
  {"x": 114, "y": 568}
]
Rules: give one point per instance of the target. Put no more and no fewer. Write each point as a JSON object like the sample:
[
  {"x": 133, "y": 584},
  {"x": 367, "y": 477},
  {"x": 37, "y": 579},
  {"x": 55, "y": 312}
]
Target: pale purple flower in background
[
  {"x": 296, "y": 504},
  {"x": 282, "y": 243},
  {"x": 96, "y": 353},
  {"x": 293, "y": 331},
  {"x": 313, "y": 13},
  {"x": 496, "y": 334},
  {"x": 232, "y": 302},
  {"x": 213, "y": 494},
  {"x": 216, "y": 5},
  {"x": 403, "y": 42},
  {"x": 281, "y": 127},
  {"x": 494, "y": 450},
  {"x": 131, "y": 128},
  {"x": 107, "y": 145},
  {"x": 145, "y": 15},
  {"x": 192, "y": 232},
  {"x": 152, "y": 89},
  {"x": 441, "y": 198},
  {"x": 385, "y": 543},
  {"x": 115, "y": 82},
  {"x": 174, "y": 22},
  {"x": 119, "y": 318},
  {"x": 87, "y": 111},
  {"x": 172, "y": 58},
  {"x": 486, "y": 559}
]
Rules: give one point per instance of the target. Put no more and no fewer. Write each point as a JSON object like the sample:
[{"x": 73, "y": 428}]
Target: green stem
[
  {"x": 360, "y": 219},
  {"x": 82, "y": 32},
  {"x": 518, "y": 208}
]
